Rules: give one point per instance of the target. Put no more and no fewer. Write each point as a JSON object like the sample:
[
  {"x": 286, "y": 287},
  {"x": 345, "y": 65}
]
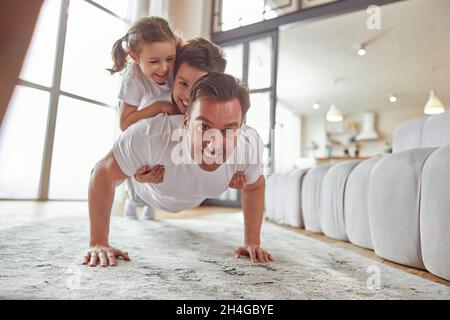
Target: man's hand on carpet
[
  {"x": 106, "y": 255},
  {"x": 154, "y": 175},
  {"x": 238, "y": 181},
  {"x": 255, "y": 252}
]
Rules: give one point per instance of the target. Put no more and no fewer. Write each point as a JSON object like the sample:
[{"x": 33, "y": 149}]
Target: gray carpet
[{"x": 188, "y": 259}]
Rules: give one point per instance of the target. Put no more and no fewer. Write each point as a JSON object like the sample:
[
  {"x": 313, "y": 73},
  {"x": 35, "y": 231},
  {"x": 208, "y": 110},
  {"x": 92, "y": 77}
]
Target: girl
[{"x": 151, "y": 46}]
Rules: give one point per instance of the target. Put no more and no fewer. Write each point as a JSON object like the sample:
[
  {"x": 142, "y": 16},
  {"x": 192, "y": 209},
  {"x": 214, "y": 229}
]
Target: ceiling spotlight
[
  {"x": 316, "y": 106},
  {"x": 362, "y": 51},
  {"x": 392, "y": 98}
]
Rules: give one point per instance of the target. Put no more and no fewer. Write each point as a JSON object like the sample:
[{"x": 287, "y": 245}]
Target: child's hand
[
  {"x": 169, "y": 108},
  {"x": 238, "y": 181},
  {"x": 154, "y": 175}
]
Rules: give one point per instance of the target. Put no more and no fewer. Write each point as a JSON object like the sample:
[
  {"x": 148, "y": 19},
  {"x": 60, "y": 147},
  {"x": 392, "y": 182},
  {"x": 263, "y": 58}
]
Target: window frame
[
  {"x": 272, "y": 89},
  {"x": 55, "y": 92}
]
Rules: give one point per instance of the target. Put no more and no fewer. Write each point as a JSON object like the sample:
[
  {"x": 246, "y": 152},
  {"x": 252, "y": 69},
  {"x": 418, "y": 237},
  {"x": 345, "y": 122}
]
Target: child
[
  {"x": 151, "y": 45},
  {"x": 195, "y": 59}
]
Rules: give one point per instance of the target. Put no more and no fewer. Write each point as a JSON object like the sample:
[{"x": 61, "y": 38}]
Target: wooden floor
[{"x": 14, "y": 213}]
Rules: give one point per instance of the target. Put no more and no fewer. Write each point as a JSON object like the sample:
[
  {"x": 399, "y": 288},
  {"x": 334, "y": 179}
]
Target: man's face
[
  {"x": 213, "y": 127},
  {"x": 185, "y": 79}
]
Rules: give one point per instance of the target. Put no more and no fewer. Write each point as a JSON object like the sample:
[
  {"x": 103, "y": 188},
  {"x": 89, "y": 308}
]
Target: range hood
[{"x": 368, "y": 128}]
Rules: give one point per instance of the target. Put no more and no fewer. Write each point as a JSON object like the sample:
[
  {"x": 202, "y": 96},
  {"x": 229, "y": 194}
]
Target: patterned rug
[{"x": 192, "y": 259}]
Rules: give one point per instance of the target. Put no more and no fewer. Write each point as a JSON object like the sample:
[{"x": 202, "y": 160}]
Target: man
[{"x": 199, "y": 164}]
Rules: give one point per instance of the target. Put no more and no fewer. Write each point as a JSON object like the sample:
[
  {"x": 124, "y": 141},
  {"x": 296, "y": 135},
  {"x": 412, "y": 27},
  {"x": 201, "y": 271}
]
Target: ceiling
[{"x": 318, "y": 60}]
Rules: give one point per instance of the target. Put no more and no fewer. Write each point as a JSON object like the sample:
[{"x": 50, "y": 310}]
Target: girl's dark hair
[{"x": 147, "y": 29}]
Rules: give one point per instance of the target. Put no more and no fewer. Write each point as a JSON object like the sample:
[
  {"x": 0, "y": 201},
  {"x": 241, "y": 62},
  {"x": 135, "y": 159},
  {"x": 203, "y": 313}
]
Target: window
[
  {"x": 253, "y": 61},
  {"x": 76, "y": 150},
  {"x": 232, "y": 14},
  {"x": 258, "y": 116},
  {"x": 90, "y": 36},
  {"x": 40, "y": 61},
  {"x": 62, "y": 115},
  {"x": 120, "y": 7},
  {"x": 22, "y": 137},
  {"x": 235, "y": 60},
  {"x": 260, "y": 63}
]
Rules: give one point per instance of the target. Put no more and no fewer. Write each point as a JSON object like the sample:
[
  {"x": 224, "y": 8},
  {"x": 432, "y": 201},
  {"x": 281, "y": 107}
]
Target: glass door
[{"x": 254, "y": 61}]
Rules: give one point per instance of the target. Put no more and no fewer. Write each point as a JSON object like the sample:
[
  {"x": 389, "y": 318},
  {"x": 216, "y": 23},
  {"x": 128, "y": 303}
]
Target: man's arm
[
  {"x": 104, "y": 177},
  {"x": 253, "y": 206}
]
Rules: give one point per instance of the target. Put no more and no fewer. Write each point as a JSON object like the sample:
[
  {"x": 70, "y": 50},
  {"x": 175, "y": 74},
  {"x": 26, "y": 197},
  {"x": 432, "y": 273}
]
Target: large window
[
  {"x": 40, "y": 61},
  {"x": 62, "y": 116},
  {"x": 232, "y": 14},
  {"x": 76, "y": 151},
  {"x": 253, "y": 60},
  {"x": 22, "y": 137},
  {"x": 90, "y": 35}
]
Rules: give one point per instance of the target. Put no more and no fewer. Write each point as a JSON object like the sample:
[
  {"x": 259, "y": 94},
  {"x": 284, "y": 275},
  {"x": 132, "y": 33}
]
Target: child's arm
[
  {"x": 154, "y": 175},
  {"x": 130, "y": 114},
  {"x": 238, "y": 181}
]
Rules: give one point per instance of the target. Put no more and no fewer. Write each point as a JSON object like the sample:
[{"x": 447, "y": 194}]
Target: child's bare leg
[
  {"x": 129, "y": 210},
  {"x": 149, "y": 213}
]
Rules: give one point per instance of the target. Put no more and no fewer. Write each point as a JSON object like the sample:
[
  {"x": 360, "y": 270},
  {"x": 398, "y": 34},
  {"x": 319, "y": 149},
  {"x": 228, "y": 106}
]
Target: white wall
[
  {"x": 287, "y": 138},
  {"x": 313, "y": 129},
  {"x": 190, "y": 18}
]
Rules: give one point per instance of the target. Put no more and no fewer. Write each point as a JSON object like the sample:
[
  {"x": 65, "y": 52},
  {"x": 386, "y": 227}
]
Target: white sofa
[
  {"x": 435, "y": 213},
  {"x": 398, "y": 204},
  {"x": 312, "y": 197},
  {"x": 356, "y": 204},
  {"x": 283, "y": 198},
  {"x": 394, "y": 206},
  {"x": 331, "y": 213}
]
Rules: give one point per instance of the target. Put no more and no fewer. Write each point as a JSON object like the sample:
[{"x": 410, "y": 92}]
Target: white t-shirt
[
  {"x": 148, "y": 100},
  {"x": 136, "y": 88},
  {"x": 185, "y": 185}
]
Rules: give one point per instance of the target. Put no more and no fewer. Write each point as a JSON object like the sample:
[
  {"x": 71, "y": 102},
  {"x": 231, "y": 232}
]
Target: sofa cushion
[
  {"x": 435, "y": 213},
  {"x": 408, "y": 135},
  {"x": 394, "y": 204},
  {"x": 291, "y": 198},
  {"x": 283, "y": 197},
  {"x": 331, "y": 214},
  {"x": 436, "y": 130},
  {"x": 356, "y": 204},
  {"x": 311, "y": 197}
]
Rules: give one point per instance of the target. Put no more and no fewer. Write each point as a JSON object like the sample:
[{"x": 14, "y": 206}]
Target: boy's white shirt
[
  {"x": 136, "y": 88},
  {"x": 185, "y": 185}
]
